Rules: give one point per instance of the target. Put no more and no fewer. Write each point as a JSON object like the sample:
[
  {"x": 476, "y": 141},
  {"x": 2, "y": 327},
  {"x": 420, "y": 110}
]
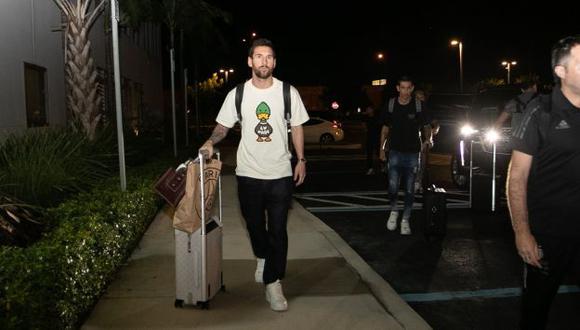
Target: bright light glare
[
  {"x": 491, "y": 135},
  {"x": 467, "y": 130}
]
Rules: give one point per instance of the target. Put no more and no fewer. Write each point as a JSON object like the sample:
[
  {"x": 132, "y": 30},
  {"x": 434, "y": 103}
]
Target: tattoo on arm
[{"x": 218, "y": 134}]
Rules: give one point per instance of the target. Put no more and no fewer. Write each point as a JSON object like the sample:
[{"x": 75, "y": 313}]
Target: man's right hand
[
  {"x": 528, "y": 249},
  {"x": 207, "y": 149}
]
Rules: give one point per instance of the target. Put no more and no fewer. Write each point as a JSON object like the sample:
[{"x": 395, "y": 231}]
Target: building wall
[
  {"x": 29, "y": 32},
  {"x": 26, "y": 35}
]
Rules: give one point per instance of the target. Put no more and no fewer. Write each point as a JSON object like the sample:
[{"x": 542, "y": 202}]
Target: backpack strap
[
  {"x": 239, "y": 97},
  {"x": 391, "y": 105},
  {"x": 287, "y": 102}
]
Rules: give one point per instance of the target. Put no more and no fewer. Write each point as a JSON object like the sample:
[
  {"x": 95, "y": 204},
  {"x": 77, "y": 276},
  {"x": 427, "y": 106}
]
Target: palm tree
[
  {"x": 83, "y": 100},
  {"x": 195, "y": 17}
]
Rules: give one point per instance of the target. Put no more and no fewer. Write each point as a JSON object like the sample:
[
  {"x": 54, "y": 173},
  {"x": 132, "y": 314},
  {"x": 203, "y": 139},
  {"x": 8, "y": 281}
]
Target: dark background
[{"x": 331, "y": 43}]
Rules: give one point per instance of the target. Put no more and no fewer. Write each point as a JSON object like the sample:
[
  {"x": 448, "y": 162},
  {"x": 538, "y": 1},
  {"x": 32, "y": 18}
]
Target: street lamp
[
  {"x": 226, "y": 72},
  {"x": 455, "y": 43},
  {"x": 508, "y": 66}
]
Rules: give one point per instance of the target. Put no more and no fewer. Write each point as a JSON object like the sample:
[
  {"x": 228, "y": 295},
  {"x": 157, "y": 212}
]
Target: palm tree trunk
[{"x": 82, "y": 96}]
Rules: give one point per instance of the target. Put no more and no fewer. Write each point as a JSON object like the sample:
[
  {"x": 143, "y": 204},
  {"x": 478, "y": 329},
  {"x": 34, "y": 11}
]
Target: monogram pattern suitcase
[{"x": 198, "y": 256}]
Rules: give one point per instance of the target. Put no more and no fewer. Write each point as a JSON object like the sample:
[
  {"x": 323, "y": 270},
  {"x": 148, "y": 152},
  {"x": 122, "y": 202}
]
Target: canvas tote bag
[{"x": 187, "y": 216}]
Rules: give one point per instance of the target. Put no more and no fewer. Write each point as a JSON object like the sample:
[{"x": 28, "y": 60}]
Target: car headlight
[
  {"x": 467, "y": 130},
  {"x": 491, "y": 136}
]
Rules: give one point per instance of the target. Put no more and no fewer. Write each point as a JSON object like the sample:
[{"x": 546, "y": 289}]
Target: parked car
[
  {"x": 468, "y": 117},
  {"x": 477, "y": 129},
  {"x": 322, "y": 131}
]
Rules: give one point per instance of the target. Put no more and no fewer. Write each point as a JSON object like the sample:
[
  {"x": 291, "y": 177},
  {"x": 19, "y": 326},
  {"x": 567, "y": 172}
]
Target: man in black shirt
[
  {"x": 514, "y": 108},
  {"x": 544, "y": 185},
  {"x": 403, "y": 119}
]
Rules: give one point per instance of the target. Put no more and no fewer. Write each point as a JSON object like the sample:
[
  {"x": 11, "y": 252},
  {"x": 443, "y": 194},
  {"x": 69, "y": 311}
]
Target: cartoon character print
[{"x": 263, "y": 129}]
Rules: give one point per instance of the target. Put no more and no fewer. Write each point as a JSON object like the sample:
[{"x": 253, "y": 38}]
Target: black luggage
[{"x": 434, "y": 212}]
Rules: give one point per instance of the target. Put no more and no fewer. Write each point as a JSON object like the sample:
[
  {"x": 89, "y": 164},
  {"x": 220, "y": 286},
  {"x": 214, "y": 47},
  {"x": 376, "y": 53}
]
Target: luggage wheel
[
  {"x": 203, "y": 304},
  {"x": 178, "y": 303}
]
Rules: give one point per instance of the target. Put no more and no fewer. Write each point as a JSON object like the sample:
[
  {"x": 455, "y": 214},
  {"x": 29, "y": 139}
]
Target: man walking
[
  {"x": 544, "y": 185},
  {"x": 515, "y": 107},
  {"x": 401, "y": 132},
  {"x": 263, "y": 171}
]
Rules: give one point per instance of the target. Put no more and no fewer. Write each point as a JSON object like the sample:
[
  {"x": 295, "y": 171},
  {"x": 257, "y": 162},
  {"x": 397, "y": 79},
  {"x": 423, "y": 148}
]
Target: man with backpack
[
  {"x": 515, "y": 107},
  {"x": 544, "y": 186},
  {"x": 264, "y": 173},
  {"x": 404, "y": 119}
]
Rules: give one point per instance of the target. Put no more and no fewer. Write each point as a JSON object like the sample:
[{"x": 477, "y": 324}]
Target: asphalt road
[{"x": 470, "y": 279}]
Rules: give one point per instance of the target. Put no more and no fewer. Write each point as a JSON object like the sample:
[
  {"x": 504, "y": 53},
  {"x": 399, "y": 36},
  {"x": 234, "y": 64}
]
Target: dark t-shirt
[
  {"x": 554, "y": 180},
  {"x": 405, "y": 125}
]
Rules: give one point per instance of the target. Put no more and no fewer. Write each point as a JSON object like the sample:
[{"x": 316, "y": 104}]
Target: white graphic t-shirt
[{"x": 263, "y": 149}]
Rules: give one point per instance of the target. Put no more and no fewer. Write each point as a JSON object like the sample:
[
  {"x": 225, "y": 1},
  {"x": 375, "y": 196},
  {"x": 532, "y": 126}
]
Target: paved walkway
[{"x": 328, "y": 286}]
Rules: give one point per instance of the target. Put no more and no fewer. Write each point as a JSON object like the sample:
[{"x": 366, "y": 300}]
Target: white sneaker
[
  {"x": 259, "y": 275},
  {"x": 405, "y": 227},
  {"x": 275, "y": 297},
  {"x": 392, "y": 222}
]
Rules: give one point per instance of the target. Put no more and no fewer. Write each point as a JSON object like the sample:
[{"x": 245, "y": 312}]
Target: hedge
[{"x": 55, "y": 283}]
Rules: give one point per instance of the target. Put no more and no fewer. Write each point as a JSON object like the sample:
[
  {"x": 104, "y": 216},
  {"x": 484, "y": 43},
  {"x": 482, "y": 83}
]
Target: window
[{"x": 35, "y": 89}]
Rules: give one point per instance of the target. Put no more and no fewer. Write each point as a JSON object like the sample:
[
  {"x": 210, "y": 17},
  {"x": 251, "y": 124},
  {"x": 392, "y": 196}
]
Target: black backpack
[
  {"x": 287, "y": 102},
  {"x": 391, "y": 105}
]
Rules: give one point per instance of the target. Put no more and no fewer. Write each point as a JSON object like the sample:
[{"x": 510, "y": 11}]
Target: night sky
[{"x": 327, "y": 43}]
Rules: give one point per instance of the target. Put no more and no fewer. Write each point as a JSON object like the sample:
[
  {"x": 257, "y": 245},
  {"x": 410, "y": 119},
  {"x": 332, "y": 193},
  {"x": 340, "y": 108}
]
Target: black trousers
[
  {"x": 541, "y": 284},
  {"x": 268, "y": 234}
]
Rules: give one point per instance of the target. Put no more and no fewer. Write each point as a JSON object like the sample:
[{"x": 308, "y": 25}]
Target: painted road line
[
  {"x": 368, "y": 208},
  {"x": 344, "y": 193},
  {"x": 488, "y": 293},
  {"x": 330, "y": 201},
  {"x": 369, "y": 192}
]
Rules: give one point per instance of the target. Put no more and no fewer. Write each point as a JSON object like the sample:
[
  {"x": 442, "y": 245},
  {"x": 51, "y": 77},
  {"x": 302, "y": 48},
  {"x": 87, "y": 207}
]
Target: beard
[{"x": 263, "y": 72}]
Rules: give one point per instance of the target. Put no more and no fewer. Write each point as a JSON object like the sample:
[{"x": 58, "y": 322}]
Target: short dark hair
[
  {"x": 405, "y": 78},
  {"x": 261, "y": 42},
  {"x": 528, "y": 84},
  {"x": 561, "y": 52}
]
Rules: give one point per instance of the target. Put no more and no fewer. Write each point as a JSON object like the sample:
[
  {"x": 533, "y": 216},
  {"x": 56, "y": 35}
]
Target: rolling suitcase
[
  {"x": 434, "y": 212},
  {"x": 198, "y": 256}
]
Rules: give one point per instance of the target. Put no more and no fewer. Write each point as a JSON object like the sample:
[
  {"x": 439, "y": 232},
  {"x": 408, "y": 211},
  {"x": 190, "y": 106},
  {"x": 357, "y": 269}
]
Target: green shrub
[
  {"x": 54, "y": 283},
  {"x": 42, "y": 166}
]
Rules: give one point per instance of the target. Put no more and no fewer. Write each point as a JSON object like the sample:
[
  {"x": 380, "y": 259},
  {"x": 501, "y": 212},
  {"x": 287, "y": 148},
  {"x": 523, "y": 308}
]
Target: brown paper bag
[{"x": 187, "y": 215}]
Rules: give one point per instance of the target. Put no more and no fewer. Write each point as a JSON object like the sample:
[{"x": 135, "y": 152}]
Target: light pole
[
  {"x": 460, "y": 44},
  {"x": 508, "y": 66},
  {"x": 382, "y": 72},
  {"x": 226, "y": 72}
]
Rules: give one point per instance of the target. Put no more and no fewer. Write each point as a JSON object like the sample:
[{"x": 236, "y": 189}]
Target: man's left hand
[{"x": 299, "y": 172}]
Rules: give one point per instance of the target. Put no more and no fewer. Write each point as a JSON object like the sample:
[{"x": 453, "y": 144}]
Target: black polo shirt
[
  {"x": 405, "y": 125},
  {"x": 554, "y": 181}
]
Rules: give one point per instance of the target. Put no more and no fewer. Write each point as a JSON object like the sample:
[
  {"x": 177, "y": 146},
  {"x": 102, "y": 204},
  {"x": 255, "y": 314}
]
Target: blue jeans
[
  {"x": 268, "y": 235},
  {"x": 402, "y": 164}
]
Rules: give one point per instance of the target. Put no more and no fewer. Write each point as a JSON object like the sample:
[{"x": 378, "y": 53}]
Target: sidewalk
[{"x": 328, "y": 286}]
